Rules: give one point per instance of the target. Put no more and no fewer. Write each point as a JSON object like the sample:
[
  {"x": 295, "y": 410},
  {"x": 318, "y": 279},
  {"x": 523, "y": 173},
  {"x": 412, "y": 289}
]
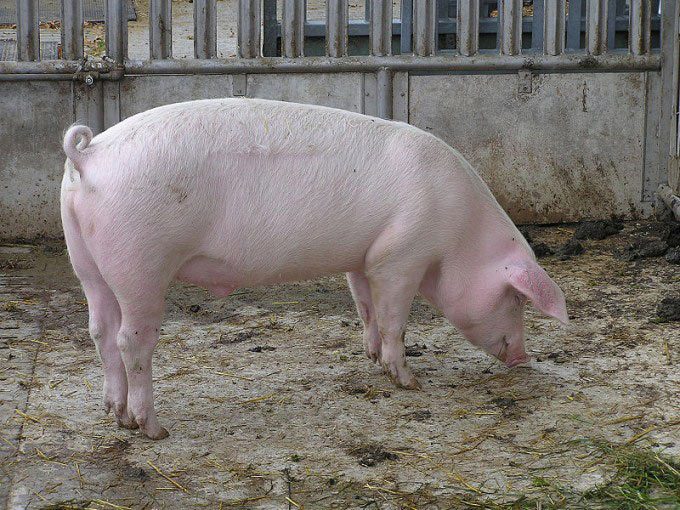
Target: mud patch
[
  {"x": 372, "y": 454},
  {"x": 669, "y": 309},
  {"x": 598, "y": 230}
]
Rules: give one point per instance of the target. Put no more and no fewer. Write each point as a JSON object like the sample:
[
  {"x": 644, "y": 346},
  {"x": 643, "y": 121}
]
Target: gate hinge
[{"x": 91, "y": 71}]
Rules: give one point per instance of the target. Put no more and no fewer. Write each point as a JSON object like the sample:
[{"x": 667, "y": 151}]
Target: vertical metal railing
[
  {"x": 205, "y": 28},
  {"x": 596, "y": 27},
  {"x": 293, "y": 28},
  {"x": 336, "y": 27},
  {"x": 639, "y": 32},
  {"x": 380, "y": 30},
  {"x": 116, "y": 30},
  {"x": 249, "y": 28},
  {"x": 28, "y": 30},
  {"x": 574, "y": 24},
  {"x": 406, "y": 38},
  {"x": 72, "y": 29},
  {"x": 160, "y": 29},
  {"x": 467, "y": 19},
  {"x": 554, "y": 20},
  {"x": 538, "y": 24},
  {"x": 510, "y": 27},
  {"x": 424, "y": 28}
]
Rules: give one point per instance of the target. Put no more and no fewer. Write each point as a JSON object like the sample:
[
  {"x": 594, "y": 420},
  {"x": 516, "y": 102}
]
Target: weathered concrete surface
[
  {"x": 34, "y": 116},
  {"x": 268, "y": 396},
  {"x": 570, "y": 150}
]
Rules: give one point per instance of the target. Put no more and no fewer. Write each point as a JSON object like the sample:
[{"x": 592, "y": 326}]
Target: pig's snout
[
  {"x": 518, "y": 361},
  {"x": 513, "y": 356}
]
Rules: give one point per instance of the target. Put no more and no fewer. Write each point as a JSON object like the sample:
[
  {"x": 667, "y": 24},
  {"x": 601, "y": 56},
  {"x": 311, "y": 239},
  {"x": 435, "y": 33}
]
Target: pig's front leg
[
  {"x": 361, "y": 292},
  {"x": 392, "y": 298},
  {"x": 137, "y": 338}
]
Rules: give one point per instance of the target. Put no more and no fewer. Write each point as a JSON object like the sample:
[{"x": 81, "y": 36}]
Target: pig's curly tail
[{"x": 76, "y": 140}]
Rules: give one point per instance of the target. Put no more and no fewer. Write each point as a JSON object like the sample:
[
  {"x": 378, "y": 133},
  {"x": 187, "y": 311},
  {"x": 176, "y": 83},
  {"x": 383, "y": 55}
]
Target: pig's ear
[{"x": 532, "y": 281}]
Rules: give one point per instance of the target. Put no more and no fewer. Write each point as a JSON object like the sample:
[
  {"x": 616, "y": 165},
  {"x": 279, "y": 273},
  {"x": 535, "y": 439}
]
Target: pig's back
[{"x": 255, "y": 181}]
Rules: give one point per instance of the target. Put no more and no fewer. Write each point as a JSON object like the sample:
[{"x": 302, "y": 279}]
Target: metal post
[
  {"x": 406, "y": 38},
  {"x": 381, "y": 27},
  {"x": 72, "y": 29},
  {"x": 554, "y": 24},
  {"x": 510, "y": 30},
  {"x": 574, "y": 24},
  {"x": 160, "y": 29},
  {"x": 293, "y": 28},
  {"x": 538, "y": 23},
  {"x": 269, "y": 29},
  {"x": 116, "y": 30},
  {"x": 468, "y": 27},
  {"x": 596, "y": 27},
  {"x": 28, "y": 30},
  {"x": 640, "y": 27},
  {"x": 205, "y": 28},
  {"x": 336, "y": 28},
  {"x": 249, "y": 28},
  {"x": 384, "y": 93},
  {"x": 424, "y": 28}
]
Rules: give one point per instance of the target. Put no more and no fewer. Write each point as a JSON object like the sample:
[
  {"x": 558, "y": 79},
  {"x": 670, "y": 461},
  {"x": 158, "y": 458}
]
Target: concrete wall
[{"x": 577, "y": 146}]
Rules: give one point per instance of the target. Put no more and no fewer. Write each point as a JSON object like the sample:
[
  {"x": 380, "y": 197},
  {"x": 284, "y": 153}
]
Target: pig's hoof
[
  {"x": 401, "y": 377},
  {"x": 413, "y": 384},
  {"x": 161, "y": 434},
  {"x": 123, "y": 419},
  {"x": 373, "y": 351}
]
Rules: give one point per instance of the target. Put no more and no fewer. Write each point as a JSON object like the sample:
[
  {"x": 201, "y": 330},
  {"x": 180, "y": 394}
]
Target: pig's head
[{"x": 493, "y": 316}]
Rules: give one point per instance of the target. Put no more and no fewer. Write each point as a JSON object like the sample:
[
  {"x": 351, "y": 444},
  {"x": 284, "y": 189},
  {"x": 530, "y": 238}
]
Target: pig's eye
[{"x": 518, "y": 300}]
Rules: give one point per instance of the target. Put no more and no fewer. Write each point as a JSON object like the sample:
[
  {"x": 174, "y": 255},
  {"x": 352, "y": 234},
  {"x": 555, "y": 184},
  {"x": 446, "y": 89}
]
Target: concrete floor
[{"x": 271, "y": 403}]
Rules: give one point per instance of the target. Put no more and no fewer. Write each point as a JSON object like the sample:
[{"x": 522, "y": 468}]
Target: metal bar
[
  {"x": 269, "y": 29},
  {"x": 381, "y": 27},
  {"x": 611, "y": 23},
  {"x": 205, "y": 28},
  {"x": 640, "y": 27},
  {"x": 538, "y": 24},
  {"x": 28, "y": 30},
  {"x": 510, "y": 20},
  {"x": 574, "y": 24},
  {"x": 384, "y": 93},
  {"x": 596, "y": 27},
  {"x": 468, "y": 27},
  {"x": 482, "y": 63},
  {"x": 406, "y": 36},
  {"x": 553, "y": 28},
  {"x": 72, "y": 29},
  {"x": 336, "y": 27},
  {"x": 293, "y": 28},
  {"x": 116, "y": 30},
  {"x": 424, "y": 28},
  {"x": 405, "y": 63},
  {"x": 160, "y": 29},
  {"x": 248, "y": 28}
]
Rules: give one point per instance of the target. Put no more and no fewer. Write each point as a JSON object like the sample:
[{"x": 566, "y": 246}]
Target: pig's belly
[{"x": 222, "y": 278}]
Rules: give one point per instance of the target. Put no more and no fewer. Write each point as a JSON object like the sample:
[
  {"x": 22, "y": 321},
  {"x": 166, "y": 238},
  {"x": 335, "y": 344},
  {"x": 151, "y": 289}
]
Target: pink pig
[{"x": 232, "y": 193}]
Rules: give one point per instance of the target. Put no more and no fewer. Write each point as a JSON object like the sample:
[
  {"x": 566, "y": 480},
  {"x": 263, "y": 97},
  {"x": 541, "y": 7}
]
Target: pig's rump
[{"x": 237, "y": 193}]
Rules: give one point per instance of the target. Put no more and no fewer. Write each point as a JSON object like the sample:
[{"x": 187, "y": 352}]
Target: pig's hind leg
[
  {"x": 104, "y": 322},
  {"x": 361, "y": 292},
  {"x": 142, "y": 314}
]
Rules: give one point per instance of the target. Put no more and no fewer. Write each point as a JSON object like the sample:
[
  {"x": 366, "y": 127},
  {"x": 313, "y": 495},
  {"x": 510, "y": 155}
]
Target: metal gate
[{"x": 562, "y": 125}]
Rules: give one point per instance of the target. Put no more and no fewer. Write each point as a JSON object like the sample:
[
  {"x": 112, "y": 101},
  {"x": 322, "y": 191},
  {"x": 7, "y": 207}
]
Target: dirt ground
[{"x": 271, "y": 403}]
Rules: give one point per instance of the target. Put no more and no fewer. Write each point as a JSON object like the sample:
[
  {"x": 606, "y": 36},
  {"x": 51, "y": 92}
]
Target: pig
[{"x": 230, "y": 193}]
